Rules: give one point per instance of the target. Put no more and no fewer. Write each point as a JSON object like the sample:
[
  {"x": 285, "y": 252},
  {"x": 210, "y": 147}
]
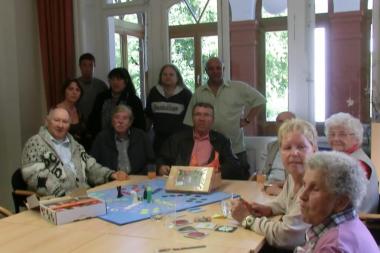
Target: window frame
[
  {"x": 195, "y": 31},
  {"x": 280, "y": 24},
  {"x": 125, "y": 29}
]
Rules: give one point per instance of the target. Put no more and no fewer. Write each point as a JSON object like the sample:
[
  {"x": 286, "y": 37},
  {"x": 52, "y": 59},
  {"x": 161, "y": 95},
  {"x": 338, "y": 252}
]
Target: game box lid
[{"x": 193, "y": 179}]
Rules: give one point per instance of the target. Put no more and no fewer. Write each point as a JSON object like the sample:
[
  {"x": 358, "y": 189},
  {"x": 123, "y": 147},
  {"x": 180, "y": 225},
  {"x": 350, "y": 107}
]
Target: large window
[
  {"x": 193, "y": 38},
  {"x": 129, "y": 34},
  {"x": 320, "y": 74},
  {"x": 274, "y": 40},
  {"x": 276, "y": 73}
]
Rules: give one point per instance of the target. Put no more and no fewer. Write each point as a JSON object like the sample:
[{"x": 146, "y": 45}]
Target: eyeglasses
[{"x": 339, "y": 134}]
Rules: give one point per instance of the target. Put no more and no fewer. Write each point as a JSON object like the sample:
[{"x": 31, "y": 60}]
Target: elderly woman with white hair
[
  {"x": 333, "y": 190},
  {"x": 345, "y": 134}
]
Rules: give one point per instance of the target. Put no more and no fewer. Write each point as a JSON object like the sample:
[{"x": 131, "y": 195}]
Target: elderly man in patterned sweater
[{"x": 53, "y": 163}]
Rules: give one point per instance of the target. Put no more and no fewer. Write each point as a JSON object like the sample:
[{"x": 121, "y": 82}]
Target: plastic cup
[
  {"x": 152, "y": 171},
  {"x": 261, "y": 178},
  {"x": 170, "y": 214},
  {"x": 225, "y": 206}
]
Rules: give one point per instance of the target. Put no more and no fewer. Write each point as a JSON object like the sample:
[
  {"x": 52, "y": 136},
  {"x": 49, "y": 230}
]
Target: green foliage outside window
[
  {"x": 182, "y": 55},
  {"x": 276, "y": 73},
  {"x": 182, "y": 49}
]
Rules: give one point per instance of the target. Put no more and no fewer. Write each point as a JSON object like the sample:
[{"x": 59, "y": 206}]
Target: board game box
[{"x": 67, "y": 209}]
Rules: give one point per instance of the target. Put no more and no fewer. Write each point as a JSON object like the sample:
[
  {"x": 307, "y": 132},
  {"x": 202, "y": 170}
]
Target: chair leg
[{"x": 16, "y": 204}]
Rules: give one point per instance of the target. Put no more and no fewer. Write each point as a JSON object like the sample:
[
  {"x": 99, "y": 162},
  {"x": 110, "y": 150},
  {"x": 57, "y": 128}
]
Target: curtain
[{"x": 56, "y": 32}]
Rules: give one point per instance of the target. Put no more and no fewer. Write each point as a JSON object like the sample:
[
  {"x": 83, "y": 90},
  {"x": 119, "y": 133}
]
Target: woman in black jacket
[{"x": 122, "y": 91}]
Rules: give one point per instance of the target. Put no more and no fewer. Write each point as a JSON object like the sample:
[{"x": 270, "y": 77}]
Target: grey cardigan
[{"x": 44, "y": 173}]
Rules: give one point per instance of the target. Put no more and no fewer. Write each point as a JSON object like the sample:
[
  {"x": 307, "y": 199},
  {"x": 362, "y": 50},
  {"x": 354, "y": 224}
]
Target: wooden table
[{"x": 28, "y": 232}]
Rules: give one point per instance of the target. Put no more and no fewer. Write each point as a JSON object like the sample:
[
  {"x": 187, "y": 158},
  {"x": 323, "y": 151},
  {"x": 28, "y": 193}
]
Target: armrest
[
  {"x": 23, "y": 193},
  {"x": 369, "y": 216},
  {"x": 5, "y": 211}
]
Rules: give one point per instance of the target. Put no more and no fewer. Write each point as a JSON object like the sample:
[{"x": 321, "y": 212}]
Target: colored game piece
[
  {"x": 119, "y": 193},
  {"x": 149, "y": 194},
  {"x": 145, "y": 193},
  {"x": 134, "y": 197}
]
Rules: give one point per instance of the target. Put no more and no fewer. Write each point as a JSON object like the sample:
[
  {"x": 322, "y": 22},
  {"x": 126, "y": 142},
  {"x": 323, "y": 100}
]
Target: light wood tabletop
[{"x": 29, "y": 232}]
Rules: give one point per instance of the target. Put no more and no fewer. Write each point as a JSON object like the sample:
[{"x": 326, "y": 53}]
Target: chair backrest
[{"x": 18, "y": 182}]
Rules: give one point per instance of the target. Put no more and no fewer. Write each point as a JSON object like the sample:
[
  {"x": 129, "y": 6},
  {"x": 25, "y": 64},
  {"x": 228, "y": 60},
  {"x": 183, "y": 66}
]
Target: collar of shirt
[
  {"x": 352, "y": 149},
  {"x": 206, "y": 87},
  {"x": 62, "y": 149},
  {"x": 124, "y": 138},
  {"x": 65, "y": 142},
  {"x": 315, "y": 232},
  {"x": 201, "y": 138},
  {"x": 161, "y": 90},
  {"x": 86, "y": 81}
]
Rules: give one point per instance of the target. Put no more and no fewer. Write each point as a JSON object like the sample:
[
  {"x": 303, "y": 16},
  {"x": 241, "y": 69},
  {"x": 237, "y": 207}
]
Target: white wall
[{"x": 22, "y": 103}]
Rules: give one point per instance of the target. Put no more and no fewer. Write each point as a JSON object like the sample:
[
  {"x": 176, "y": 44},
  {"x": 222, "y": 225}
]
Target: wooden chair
[
  {"x": 5, "y": 212},
  {"x": 20, "y": 190}
]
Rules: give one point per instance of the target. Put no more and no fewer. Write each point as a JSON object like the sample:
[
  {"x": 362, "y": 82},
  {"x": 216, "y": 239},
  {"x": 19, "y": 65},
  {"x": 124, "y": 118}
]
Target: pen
[
  {"x": 164, "y": 250},
  {"x": 189, "y": 247},
  {"x": 182, "y": 248}
]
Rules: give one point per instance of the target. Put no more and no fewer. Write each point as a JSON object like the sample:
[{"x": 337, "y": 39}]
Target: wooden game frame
[{"x": 192, "y": 179}]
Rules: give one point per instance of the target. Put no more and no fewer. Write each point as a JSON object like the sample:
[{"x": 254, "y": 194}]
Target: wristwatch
[
  {"x": 247, "y": 120},
  {"x": 248, "y": 222}
]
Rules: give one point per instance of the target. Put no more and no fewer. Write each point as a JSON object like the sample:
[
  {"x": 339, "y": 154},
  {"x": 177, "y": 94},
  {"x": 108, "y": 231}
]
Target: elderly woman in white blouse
[{"x": 345, "y": 134}]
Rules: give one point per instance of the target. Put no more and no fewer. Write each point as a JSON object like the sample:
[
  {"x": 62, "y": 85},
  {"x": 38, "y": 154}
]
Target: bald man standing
[{"x": 53, "y": 163}]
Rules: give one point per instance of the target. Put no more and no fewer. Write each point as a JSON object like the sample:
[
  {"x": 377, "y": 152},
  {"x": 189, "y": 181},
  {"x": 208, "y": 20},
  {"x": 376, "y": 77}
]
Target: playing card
[
  {"x": 181, "y": 222},
  {"x": 196, "y": 235},
  {"x": 186, "y": 229},
  {"x": 225, "y": 228},
  {"x": 205, "y": 225}
]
